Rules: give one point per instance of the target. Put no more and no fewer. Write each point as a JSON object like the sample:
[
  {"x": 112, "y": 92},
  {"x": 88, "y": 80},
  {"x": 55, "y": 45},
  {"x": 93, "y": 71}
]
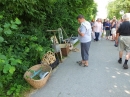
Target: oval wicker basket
[{"x": 37, "y": 83}]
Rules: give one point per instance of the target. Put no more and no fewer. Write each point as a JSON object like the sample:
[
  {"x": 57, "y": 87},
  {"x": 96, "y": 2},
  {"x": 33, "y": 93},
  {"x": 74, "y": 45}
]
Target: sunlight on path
[{"x": 103, "y": 78}]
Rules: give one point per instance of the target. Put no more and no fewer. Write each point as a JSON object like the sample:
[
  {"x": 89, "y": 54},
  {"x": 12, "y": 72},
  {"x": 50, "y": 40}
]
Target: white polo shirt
[{"x": 86, "y": 29}]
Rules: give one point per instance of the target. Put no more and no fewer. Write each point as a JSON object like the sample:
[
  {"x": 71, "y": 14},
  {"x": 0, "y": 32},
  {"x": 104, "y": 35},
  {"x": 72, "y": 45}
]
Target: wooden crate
[{"x": 64, "y": 49}]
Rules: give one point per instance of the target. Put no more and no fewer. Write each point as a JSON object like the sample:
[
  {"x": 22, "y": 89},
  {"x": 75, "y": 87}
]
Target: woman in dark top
[
  {"x": 113, "y": 29},
  {"x": 124, "y": 39},
  {"x": 104, "y": 22},
  {"x": 107, "y": 28}
]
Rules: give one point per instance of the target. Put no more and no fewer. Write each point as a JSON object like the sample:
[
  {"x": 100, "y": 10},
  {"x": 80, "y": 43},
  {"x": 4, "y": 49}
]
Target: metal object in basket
[{"x": 41, "y": 82}]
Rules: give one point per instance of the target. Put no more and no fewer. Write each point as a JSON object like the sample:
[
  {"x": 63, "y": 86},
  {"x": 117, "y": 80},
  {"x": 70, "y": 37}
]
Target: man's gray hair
[
  {"x": 80, "y": 16},
  {"x": 126, "y": 17}
]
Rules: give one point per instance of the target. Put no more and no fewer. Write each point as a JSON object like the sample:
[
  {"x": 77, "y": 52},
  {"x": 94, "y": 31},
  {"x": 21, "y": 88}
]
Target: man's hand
[{"x": 81, "y": 34}]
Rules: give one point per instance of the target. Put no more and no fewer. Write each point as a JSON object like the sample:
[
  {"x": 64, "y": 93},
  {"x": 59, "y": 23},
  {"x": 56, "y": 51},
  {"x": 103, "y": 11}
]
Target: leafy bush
[
  {"x": 24, "y": 40},
  {"x": 18, "y": 52}
]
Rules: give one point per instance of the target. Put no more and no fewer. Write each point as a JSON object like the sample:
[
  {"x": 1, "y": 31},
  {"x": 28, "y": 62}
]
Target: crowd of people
[
  {"x": 105, "y": 28},
  {"x": 114, "y": 30}
]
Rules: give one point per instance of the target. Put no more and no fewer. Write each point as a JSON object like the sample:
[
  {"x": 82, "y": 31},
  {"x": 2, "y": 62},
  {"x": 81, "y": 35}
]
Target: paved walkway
[{"x": 103, "y": 78}]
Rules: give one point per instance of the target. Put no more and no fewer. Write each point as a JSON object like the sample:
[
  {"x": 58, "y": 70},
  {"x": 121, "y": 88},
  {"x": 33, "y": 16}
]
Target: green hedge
[{"x": 23, "y": 36}]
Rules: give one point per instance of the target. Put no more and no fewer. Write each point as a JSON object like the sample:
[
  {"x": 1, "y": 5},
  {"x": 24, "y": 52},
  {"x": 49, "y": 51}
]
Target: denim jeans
[{"x": 97, "y": 36}]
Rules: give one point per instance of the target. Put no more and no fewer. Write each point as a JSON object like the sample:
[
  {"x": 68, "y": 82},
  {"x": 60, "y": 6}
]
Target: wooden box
[{"x": 64, "y": 49}]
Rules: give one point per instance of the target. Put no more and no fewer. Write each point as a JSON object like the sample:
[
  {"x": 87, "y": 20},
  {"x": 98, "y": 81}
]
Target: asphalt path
[{"x": 104, "y": 77}]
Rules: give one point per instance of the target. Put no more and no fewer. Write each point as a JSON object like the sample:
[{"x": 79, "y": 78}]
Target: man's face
[{"x": 80, "y": 20}]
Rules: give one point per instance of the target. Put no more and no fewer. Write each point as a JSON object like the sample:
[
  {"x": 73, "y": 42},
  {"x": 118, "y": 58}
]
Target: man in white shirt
[{"x": 84, "y": 34}]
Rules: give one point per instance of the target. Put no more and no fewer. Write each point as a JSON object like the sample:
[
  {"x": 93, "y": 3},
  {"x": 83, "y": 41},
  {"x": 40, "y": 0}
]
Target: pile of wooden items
[
  {"x": 64, "y": 45},
  {"x": 50, "y": 59},
  {"x": 38, "y": 75}
]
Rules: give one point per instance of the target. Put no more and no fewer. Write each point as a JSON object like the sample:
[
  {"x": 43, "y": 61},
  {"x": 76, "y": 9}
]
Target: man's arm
[
  {"x": 118, "y": 33},
  {"x": 80, "y": 33}
]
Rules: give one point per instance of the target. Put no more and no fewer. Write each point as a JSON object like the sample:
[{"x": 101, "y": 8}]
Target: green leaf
[
  {"x": 19, "y": 61},
  {"x": 27, "y": 49},
  {"x": 12, "y": 69},
  {"x": 19, "y": 86},
  {"x": 17, "y": 21},
  {"x": 1, "y": 85},
  {"x": 13, "y": 88},
  {"x": 13, "y": 26},
  {"x": 1, "y": 66},
  {"x": 33, "y": 38},
  {"x": 9, "y": 92},
  {"x": 1, "y": 29},
  {"x": 6, "y": 68},
  {"x": 39, "y": 48},
  {"x": 6, "y": 25},
  {"x": 7, "y": 31},
  {"x": 12, "y": 22},
  {"x": 1, "y": 39},
  {"x": 2, "y": 56},
  {"x": 15, "y": 61},
  {"x": 1, "y": 16}
]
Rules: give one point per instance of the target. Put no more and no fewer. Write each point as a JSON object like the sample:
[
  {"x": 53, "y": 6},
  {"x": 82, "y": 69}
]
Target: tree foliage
[
  {"x": 116, "y": 6},
  {"x": 23, "y": 36}
]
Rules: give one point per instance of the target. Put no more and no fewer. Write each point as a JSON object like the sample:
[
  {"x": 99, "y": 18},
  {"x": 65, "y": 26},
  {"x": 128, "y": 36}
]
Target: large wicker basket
[{"x": 38, "y": 83}]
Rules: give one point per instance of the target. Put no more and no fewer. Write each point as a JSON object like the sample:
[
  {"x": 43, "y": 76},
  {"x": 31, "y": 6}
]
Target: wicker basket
[{"x": 38, "y": 83}]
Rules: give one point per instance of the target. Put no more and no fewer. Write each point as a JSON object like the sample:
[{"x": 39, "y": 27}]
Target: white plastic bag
[{"x": 93, "y": 35}]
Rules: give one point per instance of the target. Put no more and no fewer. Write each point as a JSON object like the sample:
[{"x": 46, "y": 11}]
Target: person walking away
[
  {"x": 113, "y": 29},
  {"x": 118, "y": 25},
  {"x": 93, "y": 33},
  {"x": 97, "y": 29},
  {"x": 101, "y": 34},
  {"x": 107, "y": 28},
  {"x": 92, "y": 22},
  {"x": 123, "y": 33},
  {"x": 84, "y": 35},
  {"x": 110, "y": 37},
  {"x": 104, "y": 23},
  {"x": 114, "y": 17}
]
